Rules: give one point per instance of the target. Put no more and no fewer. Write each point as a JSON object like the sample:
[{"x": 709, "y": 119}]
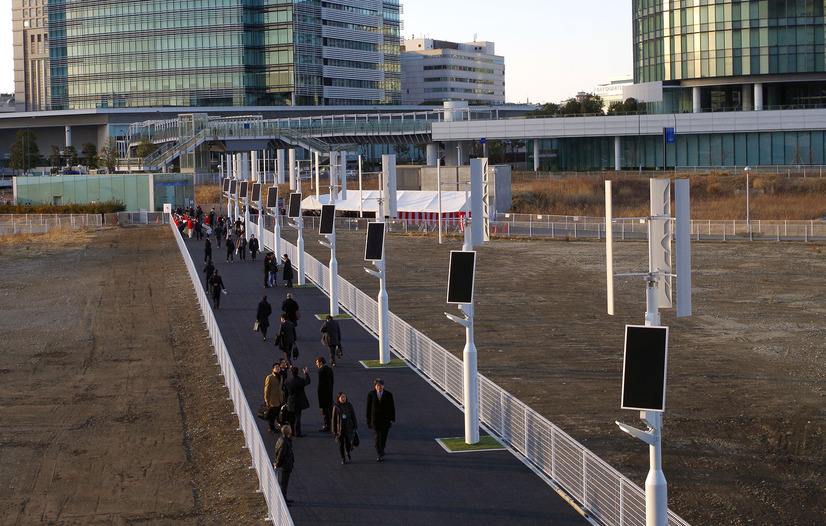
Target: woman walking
[{"x": 344, "y": 425}]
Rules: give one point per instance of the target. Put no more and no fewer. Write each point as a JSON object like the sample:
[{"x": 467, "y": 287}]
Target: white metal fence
[
  {"x": 40, "y": 223},
  {"x": 603, "y": 492},
  {"x": 267, "y": 480}
]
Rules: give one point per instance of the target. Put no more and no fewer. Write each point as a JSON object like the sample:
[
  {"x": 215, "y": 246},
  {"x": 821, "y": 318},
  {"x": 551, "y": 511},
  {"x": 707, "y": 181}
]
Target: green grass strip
[
  {"x": 340, "y": 316},
  {"x": 376, "y": 364},
  {"x": 457, "y": 445}
]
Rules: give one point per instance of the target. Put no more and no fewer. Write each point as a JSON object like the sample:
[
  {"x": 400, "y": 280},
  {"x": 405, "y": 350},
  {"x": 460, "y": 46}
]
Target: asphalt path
[{"x": 418, "y": 482}]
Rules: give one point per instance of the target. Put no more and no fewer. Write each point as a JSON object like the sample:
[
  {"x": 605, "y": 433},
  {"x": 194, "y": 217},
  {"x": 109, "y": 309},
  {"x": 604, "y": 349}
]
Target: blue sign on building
[{"x": 669, "y": 135}]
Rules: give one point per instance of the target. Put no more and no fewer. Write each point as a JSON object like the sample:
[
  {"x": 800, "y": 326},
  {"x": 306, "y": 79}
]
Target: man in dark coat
[
  {"x": 216, "y": 285},
  {"x": 286, "y": 337},
  {"x": 290, "y": 308},
  {"x": 287, "y": 273},
  {"x": 297, "y": 400},
  {"x": 325, "y": 391},
  {"x": 230, "y": 250},
  {"x": 209, "y": 270},
  {"x": 270, "y": 270},
  {"x": 242, "y": 248},
  {"x": 207, "y": 250},
  {"x": 284, "y": 459},
  {"x": 381, "y": 413},
  {"x": 263, "y": 316},
  {"x": 331, "y": 337},
  {"x": 253, "y": 246}
]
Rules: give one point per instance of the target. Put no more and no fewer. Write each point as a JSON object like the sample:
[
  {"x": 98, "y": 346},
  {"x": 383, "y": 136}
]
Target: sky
[{"x": 552, "y": 48}]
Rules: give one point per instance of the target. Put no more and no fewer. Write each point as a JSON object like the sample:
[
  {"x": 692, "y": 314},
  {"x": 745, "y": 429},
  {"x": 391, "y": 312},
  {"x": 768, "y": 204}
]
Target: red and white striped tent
[{"x": 416, "y": 207}]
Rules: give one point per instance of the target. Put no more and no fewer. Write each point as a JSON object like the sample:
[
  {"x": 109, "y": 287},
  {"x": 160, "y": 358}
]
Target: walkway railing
[
  {"x": 41, "y": 223},
  {"x": 267, "y": 480},
  {"x": 602, "y": 491}
]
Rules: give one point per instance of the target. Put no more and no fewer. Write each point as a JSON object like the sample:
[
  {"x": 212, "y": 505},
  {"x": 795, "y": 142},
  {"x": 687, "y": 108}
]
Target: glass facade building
[
  {"x": 730, "y": 55},
  {"x": 201, "y": 53}
]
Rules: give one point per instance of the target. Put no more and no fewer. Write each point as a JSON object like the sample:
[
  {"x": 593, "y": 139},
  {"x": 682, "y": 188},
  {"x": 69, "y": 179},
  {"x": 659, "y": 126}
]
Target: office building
[
  {"x": 436, "y": 71},
  {"x": 729, "y": 55},
  {"x": 72, "y": 54}
]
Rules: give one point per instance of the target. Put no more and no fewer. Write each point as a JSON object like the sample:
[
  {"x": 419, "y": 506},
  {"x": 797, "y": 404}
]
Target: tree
[
  {"x": 108, "y": 155},
  {"x": 589, "y": 104},
  {"x": 24, "y": 152},
  {"x": 628, "y": 106},
  {"x": 55, "y": 157},
  {"x": 89, "y": 154},
  {"x": 592, "y": 104},
  {"x": 549, "y": 109},
  {"x": 71, "y": 152},
  {"x": 144, "y": 149}
]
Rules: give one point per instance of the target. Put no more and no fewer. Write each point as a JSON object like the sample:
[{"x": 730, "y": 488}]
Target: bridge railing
[{"x": 267, "y": 480}]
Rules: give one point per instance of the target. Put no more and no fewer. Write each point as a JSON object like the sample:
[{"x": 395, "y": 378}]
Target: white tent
[
  {"x": 414, "y": 206},
  {"x": 406, "y": 201}
]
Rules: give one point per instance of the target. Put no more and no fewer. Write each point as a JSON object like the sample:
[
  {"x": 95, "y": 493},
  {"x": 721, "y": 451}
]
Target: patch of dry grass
[
  {"x": 715, "y": 195},
  {"x": 36, "y": 244}
]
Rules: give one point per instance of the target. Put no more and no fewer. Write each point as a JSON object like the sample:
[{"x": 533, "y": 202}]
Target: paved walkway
[{"x": 418, "y": 483}]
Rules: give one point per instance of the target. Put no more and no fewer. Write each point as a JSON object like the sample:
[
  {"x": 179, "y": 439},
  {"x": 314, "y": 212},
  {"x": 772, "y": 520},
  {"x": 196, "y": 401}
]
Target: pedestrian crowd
[{"x": 285, "y": 396}]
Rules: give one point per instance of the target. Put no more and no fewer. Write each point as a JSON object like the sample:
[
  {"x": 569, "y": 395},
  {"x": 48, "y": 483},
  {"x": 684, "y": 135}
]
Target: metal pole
[
  {"x": 333, "y": 272},
  {"x": 384, "y": 313},
  {"x": 299, "y": 222},
  {"x": 439, "y": 189},
  {"x": 361, "y": 194},
  {"x": 470, "y": 380}
]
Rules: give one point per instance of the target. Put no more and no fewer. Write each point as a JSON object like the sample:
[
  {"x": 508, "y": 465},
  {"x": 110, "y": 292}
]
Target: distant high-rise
[
  {"x": 79, "y": 54},
  {"x": 435, "y": 71},
  {"x": 729, "y": 55}
]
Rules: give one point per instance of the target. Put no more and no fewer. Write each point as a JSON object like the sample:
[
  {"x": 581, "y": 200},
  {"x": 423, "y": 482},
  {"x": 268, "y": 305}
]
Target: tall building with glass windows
[
  {"x": 81, "y": 54},
  {"x": 729, "y": 55}
]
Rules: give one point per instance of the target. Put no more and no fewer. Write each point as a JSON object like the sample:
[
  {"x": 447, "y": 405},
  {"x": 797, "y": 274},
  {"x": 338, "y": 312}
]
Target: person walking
[
  {"x": 325, "y": 391},
  {"x": 284, "y": 459},
  {"x": 381, "y": 414},
  {"x": 209, "y": 269},
  {"x": 230, "y": 250},
  {"x": 344, "y": 425},
  {"x": 219, "y": 231},
  {"x": 242, "y": 248},
  {"x": 207, "y": 250},
  {"x": 286, "y": 338},
  {"x": 274, "y": 395},
  {"x": 217, "y": 287},
  {"x": 331, "y": 337},
  {"x": 270, "y": 270},
  {"x": 287, "y": 273},
  {"x": 297, "y": 400},
  {"x": 290, "y": 308},
  {"x": 253, "y": 246},
  {"x": 263, "y": 316}
]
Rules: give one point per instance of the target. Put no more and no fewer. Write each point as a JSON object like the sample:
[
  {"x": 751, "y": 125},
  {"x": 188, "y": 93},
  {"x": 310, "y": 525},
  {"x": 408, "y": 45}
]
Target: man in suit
[
  {"x": 331, "y": 337},
  {"x": 263, "y": 316},
  {"x": 286, "y": 338},
  {"x": 381, "y": 413},
  {"x": 325, "y": 391}
]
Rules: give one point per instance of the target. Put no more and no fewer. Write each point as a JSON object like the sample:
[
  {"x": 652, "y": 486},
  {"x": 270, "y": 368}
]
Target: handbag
[
  {"x": 255, "y": 326},
  {"x": 356, "y": 440},
  {"x": 295, "y": 351},
  {"x": 283, "y": 414},
  {"x": 278, "y": 339},
  {"x": 338, "y": 351},
  {"x": 262, "y": 412},
  {"x": 297, "y": 315}
]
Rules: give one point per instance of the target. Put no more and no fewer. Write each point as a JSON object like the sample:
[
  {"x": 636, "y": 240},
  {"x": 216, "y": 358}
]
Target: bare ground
[
  {"x": 114, "y": 412},
  {"x": 745, "y": 408}
]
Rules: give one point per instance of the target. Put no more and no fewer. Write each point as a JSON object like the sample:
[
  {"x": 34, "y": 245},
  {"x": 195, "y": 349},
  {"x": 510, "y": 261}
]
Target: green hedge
[{"x": 106, "y": 207}]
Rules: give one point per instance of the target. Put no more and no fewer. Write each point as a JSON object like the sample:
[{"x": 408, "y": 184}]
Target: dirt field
[
  {"x": 114, "y": 412},
  {"x": 745, "y": 408}
]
